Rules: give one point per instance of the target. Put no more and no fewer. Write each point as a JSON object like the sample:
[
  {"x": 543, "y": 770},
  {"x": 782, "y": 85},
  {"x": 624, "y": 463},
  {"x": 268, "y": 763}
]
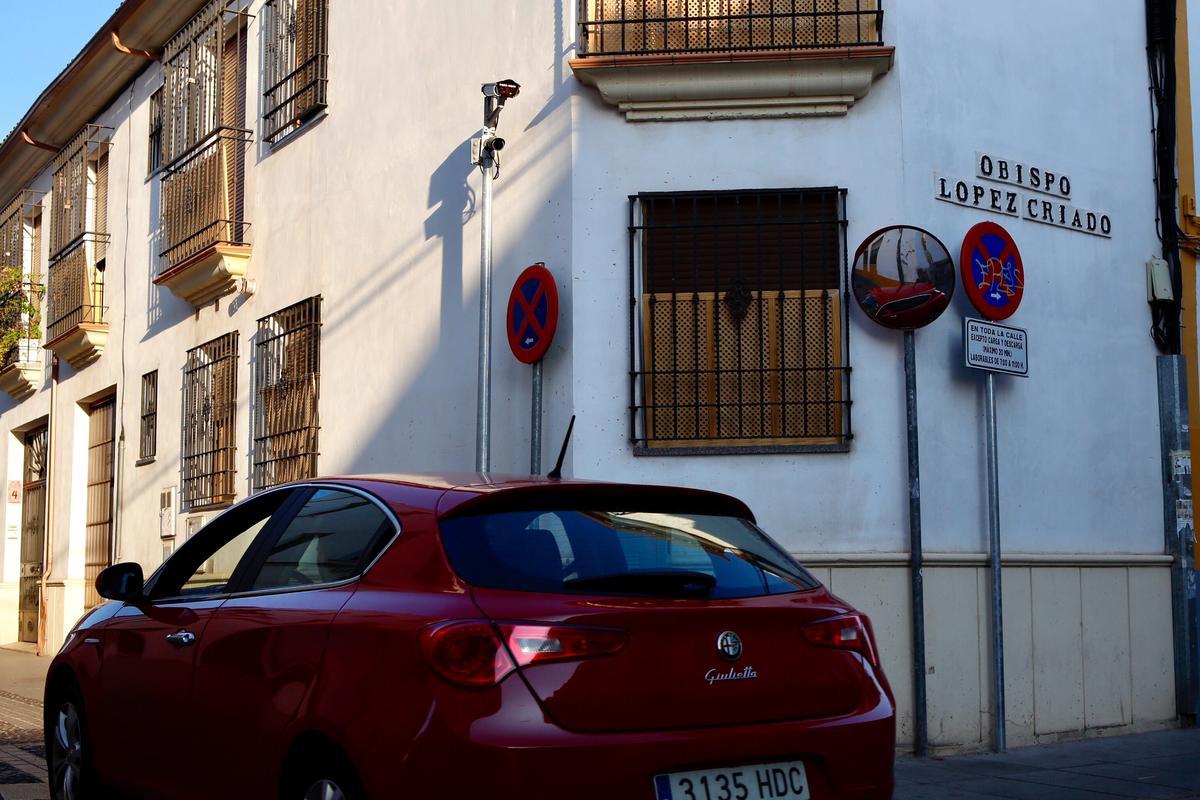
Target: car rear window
[{"x": 620, "y": 553}]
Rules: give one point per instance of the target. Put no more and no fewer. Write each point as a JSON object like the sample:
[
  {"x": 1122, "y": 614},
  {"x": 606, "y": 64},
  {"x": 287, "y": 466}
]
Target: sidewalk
[
  {"x": 22, "y": 757},
  {"x": 1164, "y": 764}
]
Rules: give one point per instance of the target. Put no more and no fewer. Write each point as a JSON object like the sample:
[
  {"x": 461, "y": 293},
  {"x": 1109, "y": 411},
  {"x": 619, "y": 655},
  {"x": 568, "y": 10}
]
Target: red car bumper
[{"x": 517, "y": 752}]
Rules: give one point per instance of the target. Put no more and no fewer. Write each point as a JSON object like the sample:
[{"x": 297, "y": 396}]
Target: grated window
[
  {"x": 209, "y": 422},
  {"x": 739, "y": 324},
  {"x": 287, "y": 384},
  {"x": 634, "y": 27},
  {"x": 295, "y": 63}
]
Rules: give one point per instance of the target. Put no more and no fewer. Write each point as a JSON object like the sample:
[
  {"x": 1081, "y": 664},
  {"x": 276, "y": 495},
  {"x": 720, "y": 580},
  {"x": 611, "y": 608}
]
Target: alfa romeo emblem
[{"x": 729, "y": 644}]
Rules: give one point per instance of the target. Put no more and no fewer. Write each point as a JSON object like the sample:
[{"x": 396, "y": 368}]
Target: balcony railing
[
  {"x": 76, "y": 293},
  {"x": 20, "y": 324},
  {"x": 203, "y": 201},
  {"x": 656, "y": 27}
]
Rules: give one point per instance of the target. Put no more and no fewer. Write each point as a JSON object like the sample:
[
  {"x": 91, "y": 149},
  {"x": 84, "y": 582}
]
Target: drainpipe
[
  {"x": 1186, "y": 611},
  {"x": 115, "y": 549}
]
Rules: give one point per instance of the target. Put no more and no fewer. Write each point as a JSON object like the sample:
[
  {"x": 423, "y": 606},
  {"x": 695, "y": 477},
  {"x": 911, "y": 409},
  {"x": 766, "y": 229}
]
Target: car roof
[{"x": 453, "y": 494}]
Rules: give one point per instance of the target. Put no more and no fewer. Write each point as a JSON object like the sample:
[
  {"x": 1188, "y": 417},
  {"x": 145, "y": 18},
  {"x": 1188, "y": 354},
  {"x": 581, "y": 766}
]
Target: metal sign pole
[
  {"x": 483, "y": 406},
  {"x": 535, "y": 438},
  {"x": 1000, "y": 743},
  {"x": 916, "y": 569}
]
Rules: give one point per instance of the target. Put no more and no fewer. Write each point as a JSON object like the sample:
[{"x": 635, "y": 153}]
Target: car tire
[{"x": 70, "y": 770}]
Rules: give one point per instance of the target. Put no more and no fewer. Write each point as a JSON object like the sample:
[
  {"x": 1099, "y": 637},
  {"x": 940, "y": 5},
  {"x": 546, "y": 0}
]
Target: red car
[{"x": 472, "y": 636}]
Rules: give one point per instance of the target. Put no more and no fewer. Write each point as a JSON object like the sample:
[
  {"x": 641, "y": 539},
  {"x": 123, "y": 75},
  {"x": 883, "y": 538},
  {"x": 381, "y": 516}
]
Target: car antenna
[{"x": 556, "y": 473}]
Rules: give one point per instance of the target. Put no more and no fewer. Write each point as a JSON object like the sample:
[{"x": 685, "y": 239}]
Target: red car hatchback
[{"x": 431, "y": 637}]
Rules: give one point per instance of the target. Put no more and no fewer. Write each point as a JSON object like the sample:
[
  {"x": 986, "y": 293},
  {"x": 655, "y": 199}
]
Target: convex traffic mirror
[{"x": 903, "y": 277}]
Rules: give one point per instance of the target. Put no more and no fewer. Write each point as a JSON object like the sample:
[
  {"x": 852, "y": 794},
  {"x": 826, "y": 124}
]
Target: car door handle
[{"x": 181, "y": 638}]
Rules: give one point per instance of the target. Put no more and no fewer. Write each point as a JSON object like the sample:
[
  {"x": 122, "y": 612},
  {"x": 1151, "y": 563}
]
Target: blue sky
[{"x": 40, "y": 38}]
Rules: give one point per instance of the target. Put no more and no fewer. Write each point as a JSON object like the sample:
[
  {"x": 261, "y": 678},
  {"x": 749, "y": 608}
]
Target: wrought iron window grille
[
  {"x": 646, "y": 27},
  {"x": 78, "y": 233},
  {"x": 295, "y": 64},
  {"x": 209, "y": 423},
  {"x": 204, "y": 137},
  {"x": 287, "y": 384},
  {"x": 738, "y": 325},
  {"x": 22, "y": 281},
  {"x": 148, "y": 439}
]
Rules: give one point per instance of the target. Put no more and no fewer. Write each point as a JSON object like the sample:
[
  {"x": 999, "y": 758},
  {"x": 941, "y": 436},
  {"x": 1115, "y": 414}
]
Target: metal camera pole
[
  {"x": 483, "y": 414},
  {"x": 483, "y": 155}
]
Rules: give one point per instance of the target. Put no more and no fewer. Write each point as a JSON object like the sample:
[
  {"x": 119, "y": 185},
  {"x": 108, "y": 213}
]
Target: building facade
[{"x": 241, "y": 247}]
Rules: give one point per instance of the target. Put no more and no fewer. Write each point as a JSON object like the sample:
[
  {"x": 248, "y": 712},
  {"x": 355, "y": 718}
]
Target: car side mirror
[{"x": 122, "y": 582}]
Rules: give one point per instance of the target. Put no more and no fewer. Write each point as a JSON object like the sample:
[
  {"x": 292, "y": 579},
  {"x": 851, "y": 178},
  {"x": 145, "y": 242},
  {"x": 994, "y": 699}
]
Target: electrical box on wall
[
  {"x": 166, "y": 513},
  {"x": 194, "y": 524},
  {"x": 1158, "y": 282}
]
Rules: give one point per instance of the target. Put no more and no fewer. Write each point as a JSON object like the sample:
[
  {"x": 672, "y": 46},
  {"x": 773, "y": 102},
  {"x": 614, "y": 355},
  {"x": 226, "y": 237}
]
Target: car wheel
[
  {"x": 325, "y": 789},
  {"x": 68, "y": 751},
  {"x": 328, "y": 780}
]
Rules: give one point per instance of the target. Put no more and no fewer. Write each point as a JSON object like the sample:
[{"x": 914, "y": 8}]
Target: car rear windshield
[{"x": 620, "y": 553}]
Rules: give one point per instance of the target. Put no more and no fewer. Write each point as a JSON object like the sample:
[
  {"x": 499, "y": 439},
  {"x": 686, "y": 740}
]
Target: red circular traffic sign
[
  {"x": 532, "y": 314},
  {"x": 992, "y": 273}
]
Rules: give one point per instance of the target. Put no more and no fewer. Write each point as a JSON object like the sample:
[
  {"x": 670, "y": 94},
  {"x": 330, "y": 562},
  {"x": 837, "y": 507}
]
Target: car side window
[
  {"x": 205, "y": 564},
  {"x": 333, "y": 536}
]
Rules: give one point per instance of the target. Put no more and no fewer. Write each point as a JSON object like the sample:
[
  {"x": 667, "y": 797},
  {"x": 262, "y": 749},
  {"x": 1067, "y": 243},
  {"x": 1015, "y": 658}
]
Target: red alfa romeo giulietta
[{"x": 472, "y": 636}]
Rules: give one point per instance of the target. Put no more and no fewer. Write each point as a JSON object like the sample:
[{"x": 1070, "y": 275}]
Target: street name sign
[{"x": 995, "y": 348}]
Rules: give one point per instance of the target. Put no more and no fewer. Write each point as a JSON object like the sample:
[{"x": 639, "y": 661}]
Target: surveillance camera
[
  {"x": 505, "y": 89},
  {"x": 496, "y": 144}
]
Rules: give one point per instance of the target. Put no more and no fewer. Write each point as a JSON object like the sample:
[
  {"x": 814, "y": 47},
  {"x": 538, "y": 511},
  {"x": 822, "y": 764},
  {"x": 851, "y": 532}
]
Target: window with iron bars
[
  {"x": 639, "y": 27},
  {"x": 295, "y": 64},
  {"x": 154, "y": 144},
  {"x": 287, "y": 388},
  {"x": 209, "y": 423},
  {"x": 148, "y": 441},
  {"x": 738, "y": 326},
  {"x": 21, "y": 288},
  {"x": 78, "y": 233},
  {"x": 204, "y": 134}
]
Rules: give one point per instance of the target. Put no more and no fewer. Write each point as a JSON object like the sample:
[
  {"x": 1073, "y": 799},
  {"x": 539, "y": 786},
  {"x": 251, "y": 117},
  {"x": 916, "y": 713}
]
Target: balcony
[
  {"x": 205, "y": 252},
  {"x": 78, "y": 323},
  {"x": 20, "y": 339},
  {"x": 666, "y": 60},
  {"x": 203, "y": 149}
]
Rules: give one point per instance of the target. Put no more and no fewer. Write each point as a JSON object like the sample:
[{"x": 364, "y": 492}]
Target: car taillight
[
  {"x": 849, "y": 632},
  {"x": 476, "y": 653},
  {"x": 466, "y": 653}
]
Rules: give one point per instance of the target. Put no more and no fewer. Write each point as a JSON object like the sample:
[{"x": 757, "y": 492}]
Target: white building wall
[{"x": 374, "y": 207}]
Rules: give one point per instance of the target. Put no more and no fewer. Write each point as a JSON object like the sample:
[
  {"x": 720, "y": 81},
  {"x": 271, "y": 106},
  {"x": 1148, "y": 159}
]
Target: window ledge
[
  {"x": 141, "y": 462},
  {"x": 21, "y": 379},
  {"x": 754, "y": 85},
  {"x": 81, "y": 345},
  {"x": 740, "y": 450},
  {"x": 209, "y": 274}
]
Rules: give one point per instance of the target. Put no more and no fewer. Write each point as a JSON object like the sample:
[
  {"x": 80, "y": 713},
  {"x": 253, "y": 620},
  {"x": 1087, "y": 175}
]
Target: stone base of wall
[
  {"x": 64, "y": 607},
  {"x": 10, "y": 627},
  {"x": 1088, "y": 647}
]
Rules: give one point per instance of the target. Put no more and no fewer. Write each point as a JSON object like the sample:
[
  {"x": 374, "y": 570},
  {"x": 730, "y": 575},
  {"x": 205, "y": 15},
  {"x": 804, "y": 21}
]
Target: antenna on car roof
[{"x": 556, "y": 473}]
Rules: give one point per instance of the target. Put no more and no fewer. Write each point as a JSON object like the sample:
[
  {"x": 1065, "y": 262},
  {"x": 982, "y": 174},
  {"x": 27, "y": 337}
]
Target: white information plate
[
  {"x": 996, "y": 348},
  {"x": 785, "y": 780}
]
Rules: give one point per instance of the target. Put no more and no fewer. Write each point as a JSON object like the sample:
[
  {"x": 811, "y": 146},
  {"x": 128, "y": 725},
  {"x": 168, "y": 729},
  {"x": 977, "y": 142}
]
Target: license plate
[{"x": 785, "y": 780}]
